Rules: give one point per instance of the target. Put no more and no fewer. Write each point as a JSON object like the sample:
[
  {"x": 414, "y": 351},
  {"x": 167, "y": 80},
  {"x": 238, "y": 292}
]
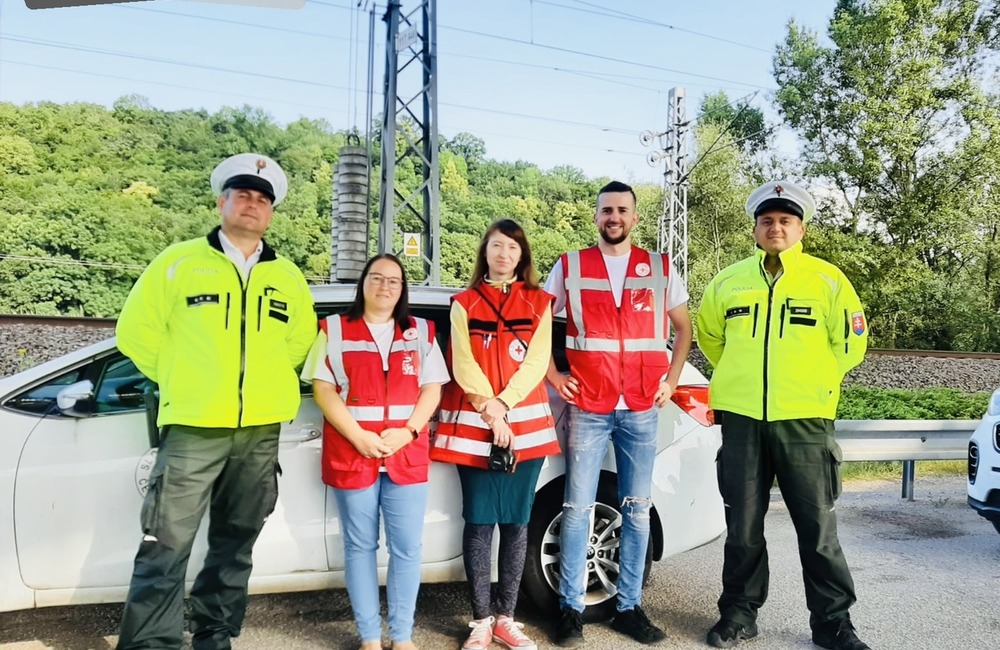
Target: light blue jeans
[
  {"x": 402, "y": 508},
  {"x": 634, "y": 437}
]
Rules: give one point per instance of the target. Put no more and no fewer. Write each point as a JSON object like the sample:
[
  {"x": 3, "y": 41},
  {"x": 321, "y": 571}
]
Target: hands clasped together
[
  {"x": 382, "y": 445},
  {"x": 494, "y": 414}
]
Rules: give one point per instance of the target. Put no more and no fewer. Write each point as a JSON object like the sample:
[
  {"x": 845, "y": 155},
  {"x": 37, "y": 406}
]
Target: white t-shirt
[
  {"x": 433, "y": 370},
  {"x": 617, "y": 266}
]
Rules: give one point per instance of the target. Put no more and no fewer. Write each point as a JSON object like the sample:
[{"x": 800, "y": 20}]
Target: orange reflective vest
[
  {"x": 356, "y": 364},
  {"x": 614, "y": 351},
  {"x": 499, "y": 348}
]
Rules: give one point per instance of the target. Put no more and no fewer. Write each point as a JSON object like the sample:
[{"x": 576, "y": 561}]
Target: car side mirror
[{"x": 68, "y": 397}]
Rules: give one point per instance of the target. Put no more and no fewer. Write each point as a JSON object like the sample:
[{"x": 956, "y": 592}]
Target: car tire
[{"x": 540, "y": 582}]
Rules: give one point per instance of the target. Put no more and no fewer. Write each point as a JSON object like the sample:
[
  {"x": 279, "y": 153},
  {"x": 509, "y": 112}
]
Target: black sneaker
[
  {"x": 726, "y": 634},
  {"x": 569, "y": 629},
  {"x": 634, "y": 623},
  {"x": 838, "y": 635}
]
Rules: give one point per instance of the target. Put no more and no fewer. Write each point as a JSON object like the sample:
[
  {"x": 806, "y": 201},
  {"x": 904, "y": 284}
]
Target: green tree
[
  {"x": 737, "y": 118},
  {"x": 897, "y": 116},
  {"x": 467, "y": 146},
  {"x": 719, "y": 231}
]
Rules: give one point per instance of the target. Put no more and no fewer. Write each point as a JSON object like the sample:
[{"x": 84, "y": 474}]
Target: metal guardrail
[{"x": 905, "y": 440}]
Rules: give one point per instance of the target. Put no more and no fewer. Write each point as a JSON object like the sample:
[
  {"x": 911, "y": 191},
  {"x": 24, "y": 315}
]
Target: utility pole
[
  {"x": 672, "y": 232},
  {"x": 411, "y": 54}
]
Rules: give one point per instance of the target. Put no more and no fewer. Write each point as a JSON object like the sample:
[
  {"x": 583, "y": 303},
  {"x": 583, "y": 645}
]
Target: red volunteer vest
[
  {"x": 462, "y": 436},
  {"x": 613, "y": 350},
  {"x": 376, "y": 399}
]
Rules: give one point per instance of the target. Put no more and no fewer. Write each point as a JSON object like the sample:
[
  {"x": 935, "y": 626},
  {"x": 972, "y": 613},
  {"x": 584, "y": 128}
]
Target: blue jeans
[
  {"x": 402, "y": 509},
  {"x": 634, "y": 437}
]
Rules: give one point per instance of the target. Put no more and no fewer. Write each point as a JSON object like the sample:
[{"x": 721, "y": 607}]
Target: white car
[
  {"x": 984, "y": 464},
  {"x": 76, "y": 452}
]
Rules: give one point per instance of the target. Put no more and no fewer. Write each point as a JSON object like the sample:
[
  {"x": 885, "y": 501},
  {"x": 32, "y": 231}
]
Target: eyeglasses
[{"x": 378, "y": 278}]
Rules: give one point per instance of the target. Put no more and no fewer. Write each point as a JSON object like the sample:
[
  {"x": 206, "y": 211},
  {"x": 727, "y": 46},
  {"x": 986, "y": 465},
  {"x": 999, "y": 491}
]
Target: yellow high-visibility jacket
[
  {"x": 224, "y": 352},
  {"x": 781, "y": 349}
]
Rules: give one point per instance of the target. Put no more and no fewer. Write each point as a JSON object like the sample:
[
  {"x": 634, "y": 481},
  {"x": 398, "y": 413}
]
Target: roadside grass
[
  {"x": 862, "y": 403},
  {"x": 872, "y": 470}
]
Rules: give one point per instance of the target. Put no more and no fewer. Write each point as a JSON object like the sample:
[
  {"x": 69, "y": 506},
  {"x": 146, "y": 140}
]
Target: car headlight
[{"x": 994, "y": 407}]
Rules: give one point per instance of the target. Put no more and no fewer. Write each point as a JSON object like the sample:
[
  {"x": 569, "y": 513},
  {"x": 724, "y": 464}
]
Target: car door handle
[{"x": 302, "y": 435}]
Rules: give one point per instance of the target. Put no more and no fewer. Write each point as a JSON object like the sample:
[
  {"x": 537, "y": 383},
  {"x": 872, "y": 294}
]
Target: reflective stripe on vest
[
  {"x": 480, "y": 448},
  {"x": 378, "y": 413},
  {"x": 462, "y": 437},
  {"x": 388, "y": 402},
  {"x": 514, "y": 416},
  {"x": 657, "y": 281},
  {"x": 335, "y": 354}
]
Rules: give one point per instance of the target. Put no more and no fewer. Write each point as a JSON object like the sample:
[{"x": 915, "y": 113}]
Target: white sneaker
[
  {"x": 481, "y": 636},
  {"x": 509, "y": 633}
]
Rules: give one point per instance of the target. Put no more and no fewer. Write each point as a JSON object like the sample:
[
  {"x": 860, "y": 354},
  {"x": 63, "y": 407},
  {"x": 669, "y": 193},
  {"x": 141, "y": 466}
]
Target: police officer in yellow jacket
[
  {"x": 782, "y": 328},
  {"x": 220, "y": 323}
]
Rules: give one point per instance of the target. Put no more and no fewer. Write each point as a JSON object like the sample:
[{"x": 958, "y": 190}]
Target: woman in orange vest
[
  {"x": 375, "y": 440},
  {"x": 501, "y": 339}
]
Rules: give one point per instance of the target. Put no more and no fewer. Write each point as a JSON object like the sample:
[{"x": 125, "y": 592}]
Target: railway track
[
  {"x": 109, "y": 323},
  {"x": 56, "y": 321}
]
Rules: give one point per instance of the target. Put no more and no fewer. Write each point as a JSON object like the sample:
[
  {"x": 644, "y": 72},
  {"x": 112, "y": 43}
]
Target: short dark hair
[
  {"x": 400, "y": 313},
  {"x": 525, "y": 270},
  {"x": 618, "y": 186}
]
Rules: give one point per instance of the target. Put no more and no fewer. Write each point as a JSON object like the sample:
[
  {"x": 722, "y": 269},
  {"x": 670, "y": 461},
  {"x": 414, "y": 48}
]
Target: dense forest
[{"x": 895, "y": 108}]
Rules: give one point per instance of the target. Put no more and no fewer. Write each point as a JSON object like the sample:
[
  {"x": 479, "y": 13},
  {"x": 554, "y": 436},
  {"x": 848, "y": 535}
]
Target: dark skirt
[{"x": 499, "y": 498}]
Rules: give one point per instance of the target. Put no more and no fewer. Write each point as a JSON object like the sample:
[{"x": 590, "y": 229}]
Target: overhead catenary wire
[
  {"x": 615, "y": 13},
  {"x": 711, "y": 147},
  {"x": 271, "y": 99},
  {"x": 167, "y": 84},
  {"x": 600, "y": 57},
  {"x": 154, "y": 59},
  {"x": 311, "y": 83},
  {"x": 477, "y": 33},
  {"x": 353, "y": 88}
]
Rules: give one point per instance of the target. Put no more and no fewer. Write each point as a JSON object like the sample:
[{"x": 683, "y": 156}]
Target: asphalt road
[{"x": 927, "y": 575}]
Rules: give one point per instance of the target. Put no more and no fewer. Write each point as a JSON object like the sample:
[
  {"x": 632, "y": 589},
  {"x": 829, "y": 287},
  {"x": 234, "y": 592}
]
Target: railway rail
[{"x": 56, "y": 321}]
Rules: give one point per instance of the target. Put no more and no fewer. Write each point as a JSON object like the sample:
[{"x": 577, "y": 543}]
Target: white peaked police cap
[
  {"x": 251, "y": 171},
  {"x": 783, "y": 196}
]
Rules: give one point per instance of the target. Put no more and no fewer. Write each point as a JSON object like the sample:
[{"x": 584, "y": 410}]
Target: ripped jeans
[{"x": 634, "y": 437}]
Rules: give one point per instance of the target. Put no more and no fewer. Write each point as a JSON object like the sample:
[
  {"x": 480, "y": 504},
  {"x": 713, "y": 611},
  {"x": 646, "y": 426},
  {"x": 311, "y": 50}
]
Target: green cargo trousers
[
  {"x": 235, "y": 472},
  {"x": 805, "y": 458}
]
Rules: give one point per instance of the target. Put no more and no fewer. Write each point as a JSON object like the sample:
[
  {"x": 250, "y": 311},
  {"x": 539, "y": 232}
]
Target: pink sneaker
[
  {"x": 509, "y": 633},
  {"x": 481, "y": 636}
]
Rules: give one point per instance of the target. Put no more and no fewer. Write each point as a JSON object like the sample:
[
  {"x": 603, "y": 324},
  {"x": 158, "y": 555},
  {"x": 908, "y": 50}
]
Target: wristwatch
[{"x": 413, "y": 431}]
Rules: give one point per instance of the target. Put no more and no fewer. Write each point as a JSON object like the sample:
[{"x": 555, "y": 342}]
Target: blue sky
[{"x": 548, "y": 81}]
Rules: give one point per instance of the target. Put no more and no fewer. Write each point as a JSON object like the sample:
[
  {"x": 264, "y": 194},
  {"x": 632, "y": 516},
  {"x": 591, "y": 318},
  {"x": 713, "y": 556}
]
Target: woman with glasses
[
  {"x": 377, "y": 373},
  {"x": 496, "y": 425}
]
